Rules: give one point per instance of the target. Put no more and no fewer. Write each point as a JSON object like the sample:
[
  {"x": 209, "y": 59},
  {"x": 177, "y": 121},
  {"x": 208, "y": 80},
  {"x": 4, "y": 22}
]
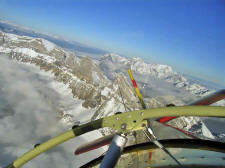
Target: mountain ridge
[{"x": 70, "y": 45}]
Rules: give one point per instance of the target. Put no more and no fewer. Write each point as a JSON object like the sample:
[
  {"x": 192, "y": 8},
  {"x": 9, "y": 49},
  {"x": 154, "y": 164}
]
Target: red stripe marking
[
  {"x": 134, "y": 83},
  {"x": 217, "y": 96},
  {"x": 150, "y": 155},
  {"x": 90, "y": 148},
  {"x": 184, "y": 132},
  {"x": 165, "y": 119},
  {"x": 95, "y": 145}
]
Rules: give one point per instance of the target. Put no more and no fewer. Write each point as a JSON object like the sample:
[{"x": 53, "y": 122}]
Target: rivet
[
  {"x": 123, "y": 126},
  {"x": 141, "y": 113}
]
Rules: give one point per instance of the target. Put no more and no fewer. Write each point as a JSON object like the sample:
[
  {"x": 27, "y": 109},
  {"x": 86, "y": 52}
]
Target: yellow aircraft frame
[{"x": 125, "y": 122}]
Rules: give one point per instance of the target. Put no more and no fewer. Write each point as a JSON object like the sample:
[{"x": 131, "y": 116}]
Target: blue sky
[{"x": 189, "y": 35}]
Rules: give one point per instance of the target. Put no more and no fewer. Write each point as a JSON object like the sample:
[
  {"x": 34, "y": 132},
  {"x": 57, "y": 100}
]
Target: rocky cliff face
[
  {"x": 86, "y": 69},
  {"x": 83, "y": 76}
]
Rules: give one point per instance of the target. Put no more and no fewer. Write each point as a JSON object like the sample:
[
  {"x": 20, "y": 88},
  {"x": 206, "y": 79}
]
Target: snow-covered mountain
[
  {"x": 161, "y": 85},
  {"x": 74, "y": 46},
  {"x": 97, "y": 84},
  {"x": 113, "y": 63},
  {"x": 83, "y": 76}
]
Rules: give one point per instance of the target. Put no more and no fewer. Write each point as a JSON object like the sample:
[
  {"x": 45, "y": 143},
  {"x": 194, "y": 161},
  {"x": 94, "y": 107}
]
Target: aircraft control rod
[{"x": 114, "y": 151}]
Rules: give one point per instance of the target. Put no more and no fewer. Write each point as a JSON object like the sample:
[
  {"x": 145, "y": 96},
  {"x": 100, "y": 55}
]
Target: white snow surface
[
  {"x": 71, "y": 105},
  {"x": 12, "y": 37},
  {"x": 5, "y": 50},
  {"x": 29, "y": 53},
  {"x": 17, "y": 38},
  {"x": 206, "y": 132},
  {"x": 26, "y": 51},
  {"x": 106, "y": 91},
  {"x": 48, "y": 45},
  {"x": 95, "y": 77}
]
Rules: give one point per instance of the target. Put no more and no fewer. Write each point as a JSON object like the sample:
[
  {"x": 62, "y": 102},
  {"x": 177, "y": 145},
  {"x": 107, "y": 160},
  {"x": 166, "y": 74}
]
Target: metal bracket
[{"x": 151, "y": 136}]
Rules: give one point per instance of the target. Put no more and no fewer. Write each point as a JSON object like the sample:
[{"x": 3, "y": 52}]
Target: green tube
[
  {"x": 200, "y": 111},
  {"x": 43, "y": 147},
  {"x": 133, "y": 118},
  {"x": 124, "y": 122},
  {"x": 56, "y": 141}
]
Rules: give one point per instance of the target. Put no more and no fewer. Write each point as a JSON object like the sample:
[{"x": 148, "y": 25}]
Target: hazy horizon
[{"x": 187, "y": 35}]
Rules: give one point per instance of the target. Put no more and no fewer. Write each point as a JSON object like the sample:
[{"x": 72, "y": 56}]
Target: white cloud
[{"x": 28, "y": 115}]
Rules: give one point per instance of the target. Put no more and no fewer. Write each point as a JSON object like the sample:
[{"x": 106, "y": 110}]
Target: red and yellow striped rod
[{"x": 137, "y": 90}]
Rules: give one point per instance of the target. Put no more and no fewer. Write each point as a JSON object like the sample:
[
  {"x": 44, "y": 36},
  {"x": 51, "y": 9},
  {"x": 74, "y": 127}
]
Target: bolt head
[{"x": 123, "y": 126}]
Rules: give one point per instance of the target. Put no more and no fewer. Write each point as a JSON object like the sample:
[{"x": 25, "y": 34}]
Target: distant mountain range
[
  {"x": 208, "y": 84},
  {"x": 70, "y": 45},
  {"x": 81, "y": 49}
]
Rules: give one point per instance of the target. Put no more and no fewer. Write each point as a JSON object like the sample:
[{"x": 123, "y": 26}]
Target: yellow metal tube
[
  {"x": 93, "y": 125},
  {"x": 43, "y": 147},
  {"x": 134, "y": 119},
  {"x": 124, "y": 122},
  {"x": 137, "y": 89}
]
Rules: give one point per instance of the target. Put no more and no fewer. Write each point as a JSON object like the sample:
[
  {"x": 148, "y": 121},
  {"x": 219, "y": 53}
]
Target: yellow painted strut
[
  {"x": 137, "y": 89},
  {"x": 125, "y": 122}
]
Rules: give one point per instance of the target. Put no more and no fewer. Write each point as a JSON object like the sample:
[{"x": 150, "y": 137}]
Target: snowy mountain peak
[
  {"x": 115, "y": 58},
  {"x": 140, "y": 66},
  {"x": 48, "y": 45},
  {"x": 112, "y": 63}
]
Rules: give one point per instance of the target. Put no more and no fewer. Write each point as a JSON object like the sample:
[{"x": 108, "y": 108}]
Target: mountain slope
[
  {"x": 98, "y": 84},
  {"x": 83, "y": 76},
  {"x": 70, "y": 45}
]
